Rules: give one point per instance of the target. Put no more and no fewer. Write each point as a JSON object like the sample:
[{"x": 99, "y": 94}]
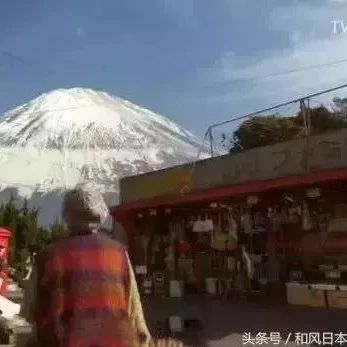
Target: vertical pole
[
  {"x": 211, "y": 141},
  {"x": 303, "y": 114},
  {"x": 308, "y": 117}
]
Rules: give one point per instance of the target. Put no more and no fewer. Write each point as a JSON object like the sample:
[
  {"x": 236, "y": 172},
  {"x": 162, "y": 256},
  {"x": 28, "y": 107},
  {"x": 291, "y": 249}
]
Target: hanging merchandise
[
  {"x": 322, "y": 222},
  {"x": 275, "y": 219},
  {"x": 299, "y": 210},
  {"x": 181, "y": 231},
  {"x": 284, "y": 216},
  {"x": 252, "y": 200},
  {"x": 147, "y": 286},
  {"x": 241, "y": 282},
  {"x": 259, "y": 221},
  {"x": 184, "y": 248},
  {"x": 154, "y": 249},
  {"x": 198, "y": 225},
  {"x": 159, "y": 283},
  {"x": 231, "y": 263},
  {"x": 246, "y": 222},
  {"x": 208, "y": 224},
  {"x": 172, "y": 232},
  {"x": 232, "y": 225},
  {"x": 185, "y": 268},
  {"x": 189, "y": 269},
  {"x": 176, "y": 230},
  {"x": 203, "y": 226},
  {"x": 293, "y": 215},
  {"x": 141, "y": 269},
  {"x": 144, "y": 245},
  {"x": 139, "y": 258},
  {"x": 288, "y": 198},
  {"x": 159, "y": 253},
  {"x": 176, "y": 289},
  {"x": 211, "y": 286},
  {"x": 232, "y": 238},
  {"x": 248, "y": 262},
  {"x": 231, "y": 231},
  {"x": 170, "y": 261},
  {"x": 219, "y": 239},
  {"x": 306, "y": 217},
  {"x": 313, "y": 193},
  {"x": 176, "y": 324}
]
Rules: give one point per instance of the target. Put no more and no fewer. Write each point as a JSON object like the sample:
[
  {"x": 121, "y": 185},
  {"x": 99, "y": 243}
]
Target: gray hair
[{"x": 84, "y": 208}]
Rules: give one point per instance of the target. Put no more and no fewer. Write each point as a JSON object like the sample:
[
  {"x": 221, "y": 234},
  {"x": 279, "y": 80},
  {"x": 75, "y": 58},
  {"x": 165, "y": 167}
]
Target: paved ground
[{"x": 224, "y": 323}]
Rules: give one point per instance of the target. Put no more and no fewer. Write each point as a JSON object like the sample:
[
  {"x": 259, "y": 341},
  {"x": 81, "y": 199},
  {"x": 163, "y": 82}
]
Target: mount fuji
[{"x": 70, "y": 136}]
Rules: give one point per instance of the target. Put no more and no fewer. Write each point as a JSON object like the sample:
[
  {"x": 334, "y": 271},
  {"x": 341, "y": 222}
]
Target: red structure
[{"x": 5, "y": 237}]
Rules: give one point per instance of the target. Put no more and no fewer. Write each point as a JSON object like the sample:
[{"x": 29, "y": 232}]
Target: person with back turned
[{"x": 81, "y": 286}]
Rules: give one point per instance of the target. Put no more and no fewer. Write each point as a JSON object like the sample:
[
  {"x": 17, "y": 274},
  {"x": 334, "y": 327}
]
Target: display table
[
  {"x": 224, "y": 321},
  {"x": 317, "y": 294},
  {"x": 338, "y": 298}
]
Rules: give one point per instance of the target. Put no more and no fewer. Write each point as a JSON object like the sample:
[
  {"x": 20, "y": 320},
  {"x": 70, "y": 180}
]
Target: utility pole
[
  {"x": 305, "y": 113},
  {"x": 211, "y": 141},
  {"x": 308, "y": 116}
]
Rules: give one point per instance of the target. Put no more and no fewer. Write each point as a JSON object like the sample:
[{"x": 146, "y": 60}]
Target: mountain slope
[{"x": 69, "y": 136}]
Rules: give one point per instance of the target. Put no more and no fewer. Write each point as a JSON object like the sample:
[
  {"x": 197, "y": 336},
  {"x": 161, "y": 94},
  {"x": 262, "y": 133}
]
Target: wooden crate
[{"x": 300, "y": 294}]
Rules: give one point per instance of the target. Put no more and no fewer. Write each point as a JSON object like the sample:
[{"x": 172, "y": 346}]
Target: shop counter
[
  {"x": 317, "y": 294},
  {"x": 305, "y": 295},
  {"x": 338, "y": 298}
]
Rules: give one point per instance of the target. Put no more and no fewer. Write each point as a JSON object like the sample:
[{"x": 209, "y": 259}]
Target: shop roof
[{"x": 312, "y": 159}]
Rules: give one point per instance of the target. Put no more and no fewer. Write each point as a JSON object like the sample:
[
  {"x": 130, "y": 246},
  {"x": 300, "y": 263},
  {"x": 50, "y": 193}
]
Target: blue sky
[{"x": 191, "y": 60}]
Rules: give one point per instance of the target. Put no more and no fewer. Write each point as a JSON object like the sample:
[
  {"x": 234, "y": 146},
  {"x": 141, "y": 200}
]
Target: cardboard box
[
  {"x": 176, "y": 289},
  {"x": 300, "y": 294},
  {"x": 337, "y": 299},
  {"x": 176, "y": 324}
]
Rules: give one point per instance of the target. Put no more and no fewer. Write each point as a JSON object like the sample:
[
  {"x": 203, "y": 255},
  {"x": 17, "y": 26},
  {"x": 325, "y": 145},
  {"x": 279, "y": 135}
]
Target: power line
[
  {"x": 300, "y": 100},
  {"x": 275, "y": 107},
  {"x": 282, "y": 73}
]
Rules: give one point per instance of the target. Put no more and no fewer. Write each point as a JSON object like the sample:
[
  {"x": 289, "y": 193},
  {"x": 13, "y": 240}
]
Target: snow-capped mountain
[{"x": 70, "y": 136}]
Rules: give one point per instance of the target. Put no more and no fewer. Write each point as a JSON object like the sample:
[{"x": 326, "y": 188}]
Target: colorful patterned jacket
[{"x": 86, "y": 296}]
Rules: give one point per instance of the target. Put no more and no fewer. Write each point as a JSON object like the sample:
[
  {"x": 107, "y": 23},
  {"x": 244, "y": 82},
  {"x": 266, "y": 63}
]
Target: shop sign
[{"x": 297, "y": 157}]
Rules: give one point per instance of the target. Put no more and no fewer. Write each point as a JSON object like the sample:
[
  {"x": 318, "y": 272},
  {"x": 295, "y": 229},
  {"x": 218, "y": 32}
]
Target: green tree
[
  {"x": 323, "y": 120},
  {"x": 340, "y": 106},
  {"x": 263, "y": 131},
  {"x": 268, "y": 130},
  {"x": 58, "y": 231},
  {"x": 27, "y": 236}
]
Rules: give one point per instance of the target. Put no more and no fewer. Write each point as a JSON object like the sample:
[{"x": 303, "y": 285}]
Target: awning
[{"x": 233, "y": 191}]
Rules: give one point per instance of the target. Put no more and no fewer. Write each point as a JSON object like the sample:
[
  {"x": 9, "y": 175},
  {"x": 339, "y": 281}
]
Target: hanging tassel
[{"x": 306, "y": 218}]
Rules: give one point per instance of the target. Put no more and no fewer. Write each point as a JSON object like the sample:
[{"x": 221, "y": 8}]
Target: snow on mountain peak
[
  {"x": 70, "y": 136},
  {"x": 77, "y": 117}
]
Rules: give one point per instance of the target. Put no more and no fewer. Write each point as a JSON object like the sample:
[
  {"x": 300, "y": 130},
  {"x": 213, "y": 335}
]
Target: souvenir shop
[
  {"x": 284, "y": 244},
  {"x": 266, "y": 224}
]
